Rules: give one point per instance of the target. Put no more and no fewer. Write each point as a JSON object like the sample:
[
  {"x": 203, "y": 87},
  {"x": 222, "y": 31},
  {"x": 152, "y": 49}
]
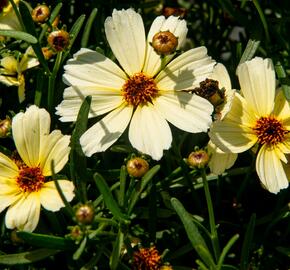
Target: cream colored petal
[
  {"x": 126, "y": 35},
  {"x": 24, "y": 214},
  {"x": 28, "y": 60},
  {"x": 188, "y": 112},
  {"x": 186, "y": 71},
  {"x": 10, "y": 22},
  {"x": 50, "y": 198},
  {"x": 281, "y": 107},
  {"x": 173, "y": 24},
  {"x": 8, "y": 80},
  {"x": 149, "y": 132},
  {"x": 219, "y": 160},
  {"x": 90, "y": 68},
  {"x": 226, "y": 107},
  {"x": 103, "y": 134},
  {"x": 28, "y": 130},
  {"x": 8, "y": 168},
  {"x": 257, "y": 81},
  {"x": 8, "y": 199},
  {"x": 55, "y": 147},
  {"x": 221, "y": 75},
  {"x": 10, "y": 64},
  {"x": 270, "y": 170},
  {"x": 103, "y": 101}
]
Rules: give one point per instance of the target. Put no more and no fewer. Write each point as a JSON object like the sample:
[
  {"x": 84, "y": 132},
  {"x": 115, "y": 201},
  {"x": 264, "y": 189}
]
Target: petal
[
  {"x": 257, "y": 80},
  {"x": 186, "y": 71},
  {"x": 270, "y": 170},
  {"x": 149, "y": 132},
  {"x": 28, "y": 60},
  {"x": 8, "y": 199},
  {"x": 50, "y": 198},
  {"x": 221, "y": 75},
  {"x": 282, "y": 108},
  {"x": 103, "y": 134},
  {"x": 92, "y": 68},
  {"x": 55, "y": 147},
  {"x": 8, "y": 169},
  {"x": 10, "y": 64},
  {"x": 188, "y": 112},
  {"x": 103, "y": 101},
  {"x": 126, "y": 35},
  {"x": 24, "y": 214},
  {"x": 9, "y": 81},
  {"x": 28, "y": 130},
  {"x": 173, "y": 24},
  {"x": 10, "y": 21}
]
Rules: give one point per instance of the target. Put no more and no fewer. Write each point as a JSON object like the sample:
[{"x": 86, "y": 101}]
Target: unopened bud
[
  {"x": 198, "y": 159},
  {"x": 76, "y": 233},
  {"x": 40, "y": 13},
  {"x": 164, "y": 43},
  {"x": 58, "y": 40},
  {"x": 47, "y": 52},
  {"x": 5, "y": 127},
  {"x": 137, "y": 167},
  {"x": 85, "y": 214}
]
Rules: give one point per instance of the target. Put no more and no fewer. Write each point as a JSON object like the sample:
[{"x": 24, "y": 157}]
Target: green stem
[{"x": 213, "y": 230}]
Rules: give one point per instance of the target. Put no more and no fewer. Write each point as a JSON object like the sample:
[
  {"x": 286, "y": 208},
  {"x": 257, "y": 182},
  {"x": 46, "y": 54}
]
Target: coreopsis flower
[
  {"x": 259, "y": 116},
  {"x": 145, "y": 94},
  {"x": 12, "y": 69},
  {"x": 24, "y": 186},
  {"x": 8, "y": 18},
  {"x": 146, "y": 259}
]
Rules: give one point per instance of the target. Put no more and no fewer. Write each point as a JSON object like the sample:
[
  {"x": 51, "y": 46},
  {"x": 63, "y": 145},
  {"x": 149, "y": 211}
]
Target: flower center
[
  {"x": 270, "y": 131},
  {"x": 139, "y": 90},
  {"x": 147, "y": 258},
  {"x": 3, "y": 4},
  {"x": 30, "y": 179}
]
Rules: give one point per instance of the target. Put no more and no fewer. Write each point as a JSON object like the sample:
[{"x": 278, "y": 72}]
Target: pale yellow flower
[
  {"x": 11, "y": 70},
  {"x": 259, "y": 115},
  {"x": 8, "y": 18},
  {"x": 145, "y": 94},
  {"x": 23, "y": 184}
]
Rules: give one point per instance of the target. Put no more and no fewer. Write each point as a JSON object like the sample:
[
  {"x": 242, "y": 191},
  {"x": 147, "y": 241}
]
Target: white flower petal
[
  {"x": 24, "y": 214},
  {"x": 282, "y": 107},
  {"x": 28, "y": 130},
  {"x": 188, "y": 112},
  {"x": 149, "y": 132},
  {"x": 9, "y": 21},
  {"x": 103, "y": 101},
  {"x": 8, "y": 168},
  {"x": 8, "y": 199},
  {"x": 221, "y": 75},
  {"x": 257, "y": 81},
  {"x": 103, "y": 134},
  {"x": 186, "y": 71},
  {"x": 90, "y": 68},
  {"x": 270, "y": 170},
  {"x": 126, "y": 35},
  {"x": 55, "y": 147},
  {"x": 50, "y": 198}
]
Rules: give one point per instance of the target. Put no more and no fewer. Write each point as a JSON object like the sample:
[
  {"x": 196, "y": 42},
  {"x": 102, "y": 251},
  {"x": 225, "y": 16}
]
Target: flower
[
  {"x": 146, "y": 93},
  {"x": 8, "y": 18},
  {"x": 146, "y": 259},
  {"x": 258, "y": 116},
  {"x": 11, "y": 72},
  {"x": 23, "y": 183}
]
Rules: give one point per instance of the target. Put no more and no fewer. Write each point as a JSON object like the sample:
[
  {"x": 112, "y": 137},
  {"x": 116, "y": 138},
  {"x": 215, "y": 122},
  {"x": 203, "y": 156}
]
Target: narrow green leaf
[
  {"x": 27, "y": 257},
  {"x": 263, "y": 19},
  {"x": 193, "y": 234},
  {"x": 114, "y": 258},
  {"x": 19, "y": 35},
  {"x": 46, "y": 241},
  {"x": 284, "y": 250},
  {"x": 80, "y": 250},
  {"x": 249, "y": 51},
  {"x": 123, "y": 178},
  {"x": 40, "y": 87},
  {"x": 281, "y": 74},
  {"x": 108, "y": 197},
  {"x": 247, "y": 243},
  {"x": 88, "y": 26}
]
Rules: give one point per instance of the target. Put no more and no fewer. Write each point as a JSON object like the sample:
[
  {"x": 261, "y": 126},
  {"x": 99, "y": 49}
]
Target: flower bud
[
  {"x": 47, "y": 52},
  {"x": 85, "y": 214},
  {"x": 76, "y": 233},
  {"x": 164, "y": 43},
  {"x": 58, "y": 40},
  {"x": 198, "y": 159},
  {"x": 137, "y": 167},
  {"x": 5, "y": 127},
  {"x": 40, "y": 13}
]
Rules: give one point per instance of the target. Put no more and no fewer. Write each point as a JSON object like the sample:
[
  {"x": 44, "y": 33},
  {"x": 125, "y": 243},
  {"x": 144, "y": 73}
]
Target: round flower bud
[
  {"x": 40, "y": 13},
  {"x": 58, "y": 40},
  {"x": 198, "y": 159},
  {"x": 164, "y": 43},
  {"x": 47, "y": 52},
  {"x": 137, "y": 167},
  {"x": 76, "y": 233},
  {"x": 85, "y": 214},
  {"x": 5, "y": 127}
]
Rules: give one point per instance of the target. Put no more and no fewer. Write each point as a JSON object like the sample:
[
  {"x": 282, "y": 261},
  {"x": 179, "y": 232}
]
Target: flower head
[
  {"x": 144, "y": 94},
  {"x": 24, "y": 186},
  {"x": 259, "y": 116},
  {"x": 146, "y": 259}
]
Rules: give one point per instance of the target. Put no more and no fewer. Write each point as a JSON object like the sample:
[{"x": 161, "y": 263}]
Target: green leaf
[
  {"x": 47, "y": 241},
  {"x": 281, "y": 74},
  {"x": 19, "y": 35},
  {"x": 114, "y": 259},
  {"x": 80, "y": 250},
  {"x": 284, "y": 250},
  {"x": 249, "y": 51},
  {"x": 27, "y": 257},
  {"x": 263, "y": 19},
  {"x": 88, "y": 26},
  {"x": 193, "y": 234},
  {"x": 108, "y": 197}
]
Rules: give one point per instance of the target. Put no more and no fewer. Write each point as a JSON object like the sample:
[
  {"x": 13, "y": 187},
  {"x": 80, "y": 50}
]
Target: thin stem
[{"x": 213, "y": 230}]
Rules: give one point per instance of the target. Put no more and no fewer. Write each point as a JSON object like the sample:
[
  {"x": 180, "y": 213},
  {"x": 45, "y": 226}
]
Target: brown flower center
[
  {"x": 270, "y": 131},
  {"x": 139, "y": 90},
  {"x": 30, "y": 179},
  {"x": 146, "y": 259},
  {"x": 164, "y": 43}
]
